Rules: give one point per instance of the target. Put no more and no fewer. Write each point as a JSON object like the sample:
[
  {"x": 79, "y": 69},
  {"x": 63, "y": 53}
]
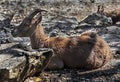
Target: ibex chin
[
  {"x": 114, "y": 14},
  {"x": 88, "y": 51}
]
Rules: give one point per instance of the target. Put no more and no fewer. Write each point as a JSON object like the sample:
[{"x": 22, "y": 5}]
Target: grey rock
[
  {"x": 97, "y": 19},
  {"x": 114, "y": 41},
  {"x": 60, "y": 26},
  {"x": 113, "y": 30},
  {"x": 16, "y": 64},
  {"x": 5, "y": 29}
]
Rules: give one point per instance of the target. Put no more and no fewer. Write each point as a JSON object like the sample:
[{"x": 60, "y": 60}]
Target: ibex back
[
  {"x": 113, "y": 13},
  {"x": 88, "y": 51}
]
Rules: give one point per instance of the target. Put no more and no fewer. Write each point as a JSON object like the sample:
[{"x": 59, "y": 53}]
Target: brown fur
[
  {"x": 114, "y": 14},
  {"x": 87, "y": 51}
]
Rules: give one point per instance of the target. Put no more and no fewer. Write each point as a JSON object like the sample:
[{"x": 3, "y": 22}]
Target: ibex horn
[{"x": 29, "y": 18}]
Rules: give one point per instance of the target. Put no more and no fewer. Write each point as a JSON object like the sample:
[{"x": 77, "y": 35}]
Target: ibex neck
[{"x": 38, "y": 38}]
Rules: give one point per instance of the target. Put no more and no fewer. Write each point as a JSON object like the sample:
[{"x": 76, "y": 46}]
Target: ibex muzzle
[{"x": 29, "y": 24}]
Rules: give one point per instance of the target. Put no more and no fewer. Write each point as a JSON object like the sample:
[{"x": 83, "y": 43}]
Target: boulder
[{"x": 17, "y": 64}]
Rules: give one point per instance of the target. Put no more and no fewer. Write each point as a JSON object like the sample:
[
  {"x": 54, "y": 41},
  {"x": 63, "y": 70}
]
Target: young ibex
[
  {"x": 114, "y": 14},
  {"x": 88, "y": 51}
]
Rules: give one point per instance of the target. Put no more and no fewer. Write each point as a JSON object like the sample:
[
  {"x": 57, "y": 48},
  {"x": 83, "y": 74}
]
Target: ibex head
[{"x": 29, "y": 24}]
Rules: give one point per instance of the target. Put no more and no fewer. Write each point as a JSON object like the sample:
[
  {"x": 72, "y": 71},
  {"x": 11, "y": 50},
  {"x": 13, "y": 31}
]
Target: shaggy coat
[{"x": 88, "y": 51}]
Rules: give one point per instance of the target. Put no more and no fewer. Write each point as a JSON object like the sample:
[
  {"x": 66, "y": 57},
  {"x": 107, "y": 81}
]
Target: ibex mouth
[{"x": 28, "y": 25}]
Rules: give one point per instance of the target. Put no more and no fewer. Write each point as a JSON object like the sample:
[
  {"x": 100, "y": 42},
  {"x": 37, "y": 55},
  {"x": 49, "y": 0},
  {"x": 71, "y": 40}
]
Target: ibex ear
[
  {"x": 100, "y": 9},
  {"x": 37, "y": 19}
]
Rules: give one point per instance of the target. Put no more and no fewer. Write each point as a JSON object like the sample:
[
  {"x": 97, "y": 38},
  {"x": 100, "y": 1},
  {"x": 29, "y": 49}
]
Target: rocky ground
[{"x": 65, "y": 19}]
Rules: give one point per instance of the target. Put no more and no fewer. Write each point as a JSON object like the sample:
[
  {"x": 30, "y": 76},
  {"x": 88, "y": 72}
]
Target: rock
[
  {"x": 112, "y": 35},
  {"x": 60, "y": 26},
  {"x": 97, "y": 19},
  {"x": 113, "y": 63},
  {"x": 19, "y": 39},
  {"x": 113, "y": 30},
  {"x": 17, "y": 64},
  {"x": 5, "y": 28}
]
